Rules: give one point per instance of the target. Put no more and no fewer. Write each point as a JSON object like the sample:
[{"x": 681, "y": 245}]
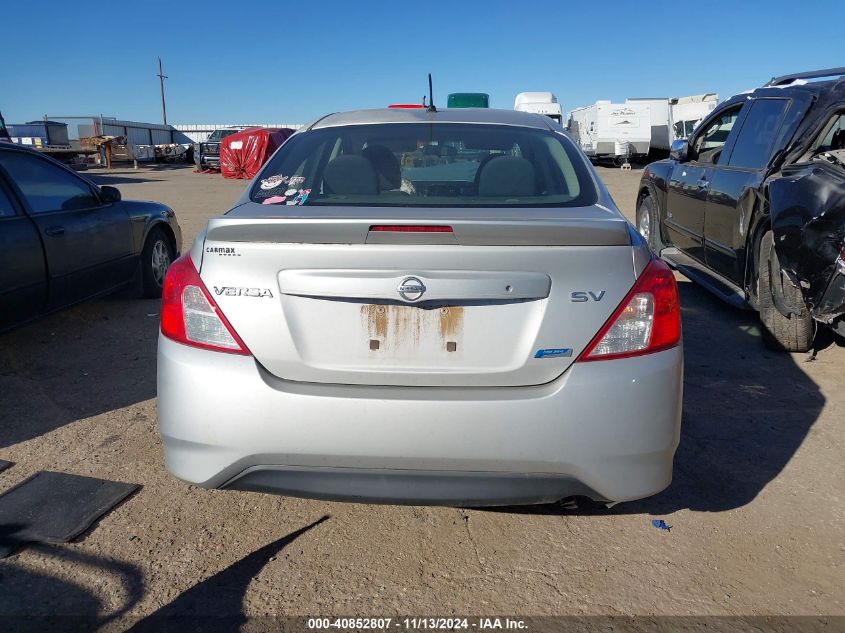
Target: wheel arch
[
  {"x": 761, "y": 222},
  {"x": 647, "y": 189},
  {"x": 168, "y": 231}
]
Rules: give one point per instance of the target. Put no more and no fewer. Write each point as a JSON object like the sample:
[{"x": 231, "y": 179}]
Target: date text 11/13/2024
[{"x": 416, "y": 623}]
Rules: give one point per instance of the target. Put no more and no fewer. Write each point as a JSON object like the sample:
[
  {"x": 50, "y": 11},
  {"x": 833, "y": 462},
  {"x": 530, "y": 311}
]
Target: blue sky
[{"x": 284, "y": 62}]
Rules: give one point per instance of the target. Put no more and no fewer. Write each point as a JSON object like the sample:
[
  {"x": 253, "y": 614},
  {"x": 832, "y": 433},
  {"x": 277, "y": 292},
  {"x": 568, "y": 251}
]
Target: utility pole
[{"x": 161, "y": 78}]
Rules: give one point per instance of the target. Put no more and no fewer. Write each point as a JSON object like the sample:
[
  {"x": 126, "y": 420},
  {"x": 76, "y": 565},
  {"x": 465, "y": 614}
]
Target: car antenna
[{"x": 430, "y": 107}]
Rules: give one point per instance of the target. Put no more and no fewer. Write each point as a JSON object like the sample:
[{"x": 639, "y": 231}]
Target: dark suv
[
  {"x": 752, "y": 205},
  {"x": 207, "y": 152}
]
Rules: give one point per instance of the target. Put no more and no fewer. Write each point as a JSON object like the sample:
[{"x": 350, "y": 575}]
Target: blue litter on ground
[{"x": 661, "y": 524}]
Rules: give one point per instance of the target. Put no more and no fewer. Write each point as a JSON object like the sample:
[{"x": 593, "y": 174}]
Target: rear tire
[
  {"x": 155, "y": 260},
  {"x": 647, "y": 223},
  {"x": 794, "y": 333}
]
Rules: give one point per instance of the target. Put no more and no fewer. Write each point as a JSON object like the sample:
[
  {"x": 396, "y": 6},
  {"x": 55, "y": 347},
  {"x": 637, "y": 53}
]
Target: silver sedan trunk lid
[{"x": 495, "y": 300}]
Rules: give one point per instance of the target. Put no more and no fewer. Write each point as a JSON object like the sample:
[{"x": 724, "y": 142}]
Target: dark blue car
[{"x": 63, "y": 239}]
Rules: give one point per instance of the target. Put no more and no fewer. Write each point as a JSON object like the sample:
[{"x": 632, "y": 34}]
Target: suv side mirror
[
  {"x": 110, "y": 194},
  {"x": 679, "y": 150}
]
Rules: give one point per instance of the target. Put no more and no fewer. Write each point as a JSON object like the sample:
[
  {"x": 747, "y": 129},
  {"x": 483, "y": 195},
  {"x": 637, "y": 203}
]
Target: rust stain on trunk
[
  {"x": 405, "y": 322},
  {"x": 451, "y": 322},
  {"x": 404, "y": 327},
  {"x": 376, "y": 318}
]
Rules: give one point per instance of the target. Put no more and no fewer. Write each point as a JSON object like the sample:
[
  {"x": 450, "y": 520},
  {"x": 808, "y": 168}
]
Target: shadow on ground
[
  {"x": 220, "y": 597},
  {"x": 35, "y": 601},
  {"x": 96, "y": 357},
  {"x": 115, "y": 179},
  {"x": 746, "y": 412},
  {"x": 32, "y": 600},
  {"x": 124, "y": 174}
]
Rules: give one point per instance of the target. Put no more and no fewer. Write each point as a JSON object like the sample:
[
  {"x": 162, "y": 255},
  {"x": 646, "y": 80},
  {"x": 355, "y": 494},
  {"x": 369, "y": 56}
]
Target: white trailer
[
  {"x": 613, "y": 131},
  {"x": 661, "y": 120},
  {"x": 687, "y": 112},
  {"x": 675, "y": 117},
  {"x": 539, "y": 103}
]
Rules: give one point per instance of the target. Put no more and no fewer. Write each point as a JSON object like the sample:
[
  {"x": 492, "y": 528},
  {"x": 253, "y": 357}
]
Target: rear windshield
[{"x": 427, "y": 165}]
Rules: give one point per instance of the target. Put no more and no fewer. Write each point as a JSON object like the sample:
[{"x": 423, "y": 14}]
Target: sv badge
[{"x": 586, "y": 295}]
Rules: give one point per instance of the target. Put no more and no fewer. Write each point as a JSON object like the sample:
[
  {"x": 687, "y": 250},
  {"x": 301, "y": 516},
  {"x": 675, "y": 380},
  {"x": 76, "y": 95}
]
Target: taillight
[
  {"x": 648, "y": 320},
  {"x": 190, "y": 316}
]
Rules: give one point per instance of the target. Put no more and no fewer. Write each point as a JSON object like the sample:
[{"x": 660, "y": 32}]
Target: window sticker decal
[
  {"x": 298, "y": 197},
  {"x": 273, "y": 181}
]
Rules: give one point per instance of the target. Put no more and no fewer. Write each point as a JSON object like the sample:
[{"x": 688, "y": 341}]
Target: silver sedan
[{"x": 427, "y": 307}]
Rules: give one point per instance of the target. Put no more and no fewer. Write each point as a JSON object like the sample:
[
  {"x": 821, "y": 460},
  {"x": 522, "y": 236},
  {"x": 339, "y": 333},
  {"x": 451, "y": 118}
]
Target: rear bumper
[
  {"x": 606, "y": 429},
  {"x": 419, "y": 487}
]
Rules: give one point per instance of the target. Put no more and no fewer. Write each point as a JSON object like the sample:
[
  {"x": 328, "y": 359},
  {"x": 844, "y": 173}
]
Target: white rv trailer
[
  {"x": 661, "y": 120},
  {"x": 674, "y": 118},
  {"x": 687, "y": 112},
  {"x": 614, "y": 131},
  {"x": 539, "y": 103}
]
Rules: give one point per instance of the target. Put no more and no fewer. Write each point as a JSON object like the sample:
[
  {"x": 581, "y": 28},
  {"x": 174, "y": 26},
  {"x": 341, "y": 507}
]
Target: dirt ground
[{"x": 756, "y": 506}]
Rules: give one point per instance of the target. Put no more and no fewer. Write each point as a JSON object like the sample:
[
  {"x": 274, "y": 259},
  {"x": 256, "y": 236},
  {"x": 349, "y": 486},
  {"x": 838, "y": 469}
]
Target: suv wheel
[
  {"x": 155, "y": 260},
  {"x": 647, "y": 224},
  {"x": 793, "y": 333}
]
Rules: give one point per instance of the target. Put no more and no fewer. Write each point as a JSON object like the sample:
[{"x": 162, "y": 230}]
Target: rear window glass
[{"x": 426, "y": 165}]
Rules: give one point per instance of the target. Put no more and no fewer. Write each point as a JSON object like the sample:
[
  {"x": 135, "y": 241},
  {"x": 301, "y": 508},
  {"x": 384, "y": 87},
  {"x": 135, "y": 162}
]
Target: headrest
[
  {"x": 386, "y": 164},
  {"x": 351, "y": 174},
  {"x": 506, "y": 176}
]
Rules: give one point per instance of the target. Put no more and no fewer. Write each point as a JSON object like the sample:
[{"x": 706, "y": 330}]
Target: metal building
[
  {"x": 143, "y": 133},
  {"x": 138, "y": 133},
  {"x": 199, "y": 132}
]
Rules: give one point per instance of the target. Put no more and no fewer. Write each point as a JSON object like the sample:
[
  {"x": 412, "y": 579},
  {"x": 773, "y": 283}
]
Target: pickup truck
[
  {"x": 63, "y": 239},
  {"x": 207, "y": 152}
]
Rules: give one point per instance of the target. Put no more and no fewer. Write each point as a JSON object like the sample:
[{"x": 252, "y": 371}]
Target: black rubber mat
[
  {"x": 4, "y": 465},
  {"x": 55, "y": 507}
]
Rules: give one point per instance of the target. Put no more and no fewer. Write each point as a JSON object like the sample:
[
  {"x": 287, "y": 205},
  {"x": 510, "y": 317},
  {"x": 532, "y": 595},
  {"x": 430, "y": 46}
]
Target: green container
[{"x": 468, "y": 100}]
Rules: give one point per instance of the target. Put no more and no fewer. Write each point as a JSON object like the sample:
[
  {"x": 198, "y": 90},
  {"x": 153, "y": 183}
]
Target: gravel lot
[{"x": 756, "y": 505}]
